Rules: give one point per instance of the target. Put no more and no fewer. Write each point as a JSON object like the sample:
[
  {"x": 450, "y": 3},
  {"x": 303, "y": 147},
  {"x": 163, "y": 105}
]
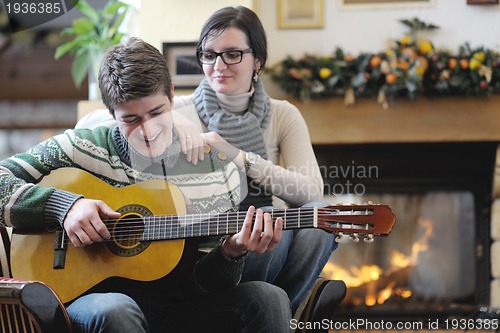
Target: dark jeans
[{"x": 249, "y": 307}]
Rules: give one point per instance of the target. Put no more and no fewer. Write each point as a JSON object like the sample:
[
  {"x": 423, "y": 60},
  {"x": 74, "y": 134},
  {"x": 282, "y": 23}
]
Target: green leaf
[
  {"x": 358, "y": 80},
  {"x": 88, "y": 11},
  {"x": 67, "y": 31},
  {"x": 62, "y": 49},
  {"x": 113, "y": 7},
  {"x": 411, "y": 86},
  {"x": 442, "y": 85},
  {"x": 332, "y": 81},
  {"x": 118, "y": 21},
  {"x": 93, "y": 33},
  {"x": 80, "y": 68},
  {"x": 117, "y": 38},
  {"x": 82, "y": 26}
]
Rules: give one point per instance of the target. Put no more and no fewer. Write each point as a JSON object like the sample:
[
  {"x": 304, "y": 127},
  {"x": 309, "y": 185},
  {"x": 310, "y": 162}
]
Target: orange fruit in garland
[
  {"x": 452, "y": 63},
  {"x": 390, "y": 78},
  {"x": 464, "y": 63},
  {"x": 375, "y": 61}
]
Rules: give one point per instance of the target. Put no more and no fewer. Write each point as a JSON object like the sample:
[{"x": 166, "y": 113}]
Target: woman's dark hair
[
  {"x": 243, "y": 19},
  {"x": 131, "y": 71}
]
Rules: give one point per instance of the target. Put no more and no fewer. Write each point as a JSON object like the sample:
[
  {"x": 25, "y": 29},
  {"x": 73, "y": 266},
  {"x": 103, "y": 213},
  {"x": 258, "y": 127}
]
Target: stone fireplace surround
[{"x": 446, "y": 143}]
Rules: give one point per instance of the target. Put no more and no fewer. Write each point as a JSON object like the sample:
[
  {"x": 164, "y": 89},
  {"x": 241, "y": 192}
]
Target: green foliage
[
  {"x": 412, "y": 66},
  {"x": 91, "y": 36}
]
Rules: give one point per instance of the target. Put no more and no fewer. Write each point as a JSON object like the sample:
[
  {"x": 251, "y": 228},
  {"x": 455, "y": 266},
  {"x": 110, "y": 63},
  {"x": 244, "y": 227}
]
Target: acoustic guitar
[{"x": 148, "y": 239}]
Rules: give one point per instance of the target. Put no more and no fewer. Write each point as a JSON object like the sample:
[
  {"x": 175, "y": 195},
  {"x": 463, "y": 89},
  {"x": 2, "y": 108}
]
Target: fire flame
[{"x": 368, "y": 275}]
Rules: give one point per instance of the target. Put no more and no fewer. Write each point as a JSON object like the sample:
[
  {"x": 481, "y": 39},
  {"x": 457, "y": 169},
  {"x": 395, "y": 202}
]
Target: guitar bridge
[{"x": 60, "y": 243}]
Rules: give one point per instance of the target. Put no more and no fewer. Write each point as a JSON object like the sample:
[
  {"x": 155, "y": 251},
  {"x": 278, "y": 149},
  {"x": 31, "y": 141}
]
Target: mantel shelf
[{"x": 444, "y": 119}]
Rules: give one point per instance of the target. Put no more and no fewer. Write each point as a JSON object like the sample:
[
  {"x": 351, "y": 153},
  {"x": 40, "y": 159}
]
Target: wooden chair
[{"x": 27, "y": 306}]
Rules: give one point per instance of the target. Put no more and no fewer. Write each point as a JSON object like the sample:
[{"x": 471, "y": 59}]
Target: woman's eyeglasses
[{"x": 229, "y": 57}]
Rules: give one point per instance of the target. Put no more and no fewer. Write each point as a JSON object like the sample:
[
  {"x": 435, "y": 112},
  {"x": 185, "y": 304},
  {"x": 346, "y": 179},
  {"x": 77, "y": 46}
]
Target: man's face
[{"x": 146, "y": 123}]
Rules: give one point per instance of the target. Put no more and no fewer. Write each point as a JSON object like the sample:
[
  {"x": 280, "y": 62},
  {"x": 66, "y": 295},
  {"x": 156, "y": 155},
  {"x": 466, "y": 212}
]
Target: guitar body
[
  {"x": 33, "y": 253},
  {"x": 144, "y": 243}
]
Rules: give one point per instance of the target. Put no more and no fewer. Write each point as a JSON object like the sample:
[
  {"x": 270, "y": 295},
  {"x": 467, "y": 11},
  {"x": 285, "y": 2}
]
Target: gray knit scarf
[{"x": 245, "y": 131}]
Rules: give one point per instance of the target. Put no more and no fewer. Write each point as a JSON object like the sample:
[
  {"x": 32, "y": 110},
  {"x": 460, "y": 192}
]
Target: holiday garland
[{"x": 411, "y": 67}]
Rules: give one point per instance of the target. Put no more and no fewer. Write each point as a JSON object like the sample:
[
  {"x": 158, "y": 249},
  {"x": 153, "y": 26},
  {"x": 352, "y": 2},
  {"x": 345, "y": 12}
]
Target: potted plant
[{"x": 92, "y": 35}]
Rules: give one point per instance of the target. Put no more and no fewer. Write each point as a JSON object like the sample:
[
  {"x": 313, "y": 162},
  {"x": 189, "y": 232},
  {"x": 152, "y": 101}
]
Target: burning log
[{"x": 380, "y": 290}]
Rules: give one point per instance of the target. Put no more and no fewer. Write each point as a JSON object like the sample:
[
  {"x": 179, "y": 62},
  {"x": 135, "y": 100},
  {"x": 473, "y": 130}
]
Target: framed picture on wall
[
  {"x": 482, "y": 2},
  {"x": 298, "y": 14},
  {"x": 182, "y": 63}
]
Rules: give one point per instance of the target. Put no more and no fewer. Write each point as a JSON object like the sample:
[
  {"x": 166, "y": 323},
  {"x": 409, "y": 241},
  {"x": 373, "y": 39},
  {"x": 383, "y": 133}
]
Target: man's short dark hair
[{"x": 131, "y": 71}]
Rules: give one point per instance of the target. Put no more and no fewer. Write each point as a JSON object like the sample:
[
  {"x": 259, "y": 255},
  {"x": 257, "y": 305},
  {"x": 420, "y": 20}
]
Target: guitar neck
[{"x": 197, "y": 225}]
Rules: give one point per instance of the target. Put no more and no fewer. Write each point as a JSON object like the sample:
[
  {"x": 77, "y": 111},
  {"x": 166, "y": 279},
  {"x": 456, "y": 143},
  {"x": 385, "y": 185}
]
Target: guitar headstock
[{"x": 353, "y": 220}]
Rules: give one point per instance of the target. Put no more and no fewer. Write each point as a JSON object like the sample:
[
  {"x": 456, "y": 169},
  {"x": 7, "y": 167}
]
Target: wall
[
  {"x": 358, "y": 29},
  {"x": 355, "y": 30},
  {"x": 178, "y": 21},
  {"x": 369, "y": 29}
]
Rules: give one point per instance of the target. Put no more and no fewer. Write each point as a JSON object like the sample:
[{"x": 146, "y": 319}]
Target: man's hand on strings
[
  {"x": 257, "y": 236},
  {"x": 83, "y": 223}
]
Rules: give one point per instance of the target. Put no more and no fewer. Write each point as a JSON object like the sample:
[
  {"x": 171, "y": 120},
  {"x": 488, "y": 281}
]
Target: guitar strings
[
  {"x": 199, "y": 216},
  {"x": 205, "y": 224}
]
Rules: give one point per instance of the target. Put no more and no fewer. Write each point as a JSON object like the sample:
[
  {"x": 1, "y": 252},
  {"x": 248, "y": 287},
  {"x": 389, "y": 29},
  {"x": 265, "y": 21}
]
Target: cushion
[{"x": 31, "y": 306}]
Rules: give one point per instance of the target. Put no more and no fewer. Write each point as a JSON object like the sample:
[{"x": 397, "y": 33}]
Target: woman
[{"x": 233, "y": 107}]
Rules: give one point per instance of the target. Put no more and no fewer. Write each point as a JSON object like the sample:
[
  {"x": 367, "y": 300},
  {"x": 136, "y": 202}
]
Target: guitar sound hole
[{"x": 127, "y": 232}]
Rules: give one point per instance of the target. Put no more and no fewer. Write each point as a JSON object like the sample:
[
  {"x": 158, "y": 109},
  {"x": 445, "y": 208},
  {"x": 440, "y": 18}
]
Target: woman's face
[{"x": 230, "y": 79}]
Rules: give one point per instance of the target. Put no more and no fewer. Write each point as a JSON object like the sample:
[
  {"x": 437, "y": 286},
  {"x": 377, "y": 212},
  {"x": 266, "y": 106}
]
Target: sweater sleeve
[
  {"x": 216, "y": 271},
  {"x": 23, "y": 204},
  {"x": 295, "y": 179}
]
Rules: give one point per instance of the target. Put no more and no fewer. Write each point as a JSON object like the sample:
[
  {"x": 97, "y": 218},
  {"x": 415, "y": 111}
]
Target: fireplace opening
[
  {"x": 435, "y": 262},
  {"x": 424, "y": 264}
]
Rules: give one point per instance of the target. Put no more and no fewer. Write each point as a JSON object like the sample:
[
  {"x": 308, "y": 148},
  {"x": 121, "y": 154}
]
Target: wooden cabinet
[{"x": 30, "y": 72}]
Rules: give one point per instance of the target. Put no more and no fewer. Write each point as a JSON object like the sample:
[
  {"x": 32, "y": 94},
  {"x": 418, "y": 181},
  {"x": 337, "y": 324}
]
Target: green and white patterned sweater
[{"x": 211, "y": 186}]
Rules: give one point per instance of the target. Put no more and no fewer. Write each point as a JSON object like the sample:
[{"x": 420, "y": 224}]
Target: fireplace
[
  {"x": 441, "y": 194},
  {"x": 422, "y": 158}
]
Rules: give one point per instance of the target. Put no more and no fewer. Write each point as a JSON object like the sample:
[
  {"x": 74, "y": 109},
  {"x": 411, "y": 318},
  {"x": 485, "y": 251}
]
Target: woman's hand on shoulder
[
  {"x": 192, "y": 142},
  {"x": 214, "y": 140}
]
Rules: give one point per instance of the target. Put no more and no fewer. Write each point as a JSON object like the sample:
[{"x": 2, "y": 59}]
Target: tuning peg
[
  {"x": 354, "y": 203},
  {"x": 368, "y": 238},
  {"x": 370, "y": 202},
  {"x": 340, "y": 203},
  {"x": 339, "y": 236},
  {"x": 355, "y": 237}
]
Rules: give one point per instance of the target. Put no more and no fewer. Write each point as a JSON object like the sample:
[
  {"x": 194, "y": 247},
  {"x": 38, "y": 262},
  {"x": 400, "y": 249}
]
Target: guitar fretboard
[{"x": 197, "y": 225}]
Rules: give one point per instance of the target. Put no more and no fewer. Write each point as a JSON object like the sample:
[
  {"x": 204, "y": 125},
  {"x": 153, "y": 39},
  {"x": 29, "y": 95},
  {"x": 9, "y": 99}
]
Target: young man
[{"x": 202, "y": 293}]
